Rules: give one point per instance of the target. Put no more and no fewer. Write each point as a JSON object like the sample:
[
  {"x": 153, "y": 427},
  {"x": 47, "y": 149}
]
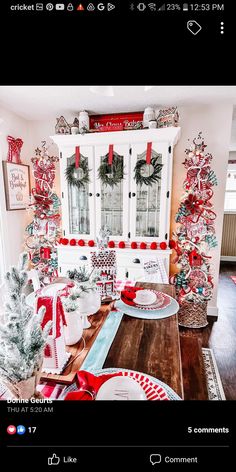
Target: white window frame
[{"x": 231, "y": 167}]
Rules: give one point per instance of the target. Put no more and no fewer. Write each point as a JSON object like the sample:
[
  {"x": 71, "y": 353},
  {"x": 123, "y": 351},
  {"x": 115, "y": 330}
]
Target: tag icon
[{"x": 194, "y": 27}]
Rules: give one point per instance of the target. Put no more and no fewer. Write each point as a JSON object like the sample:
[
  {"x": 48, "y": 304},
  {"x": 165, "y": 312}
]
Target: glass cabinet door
[
  {"x": 111, "y": 193},
  {"x": 148, "y": 194},
  {"x": 78, "y": 208}
]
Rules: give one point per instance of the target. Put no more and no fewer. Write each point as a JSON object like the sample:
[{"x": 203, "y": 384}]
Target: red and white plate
[
  {"x": 162, "y": 301},
  {"x": 152, "y": 390}
]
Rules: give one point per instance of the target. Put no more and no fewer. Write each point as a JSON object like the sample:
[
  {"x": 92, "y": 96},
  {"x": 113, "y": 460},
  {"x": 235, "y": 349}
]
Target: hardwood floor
[{"x": 220, "y": 335}]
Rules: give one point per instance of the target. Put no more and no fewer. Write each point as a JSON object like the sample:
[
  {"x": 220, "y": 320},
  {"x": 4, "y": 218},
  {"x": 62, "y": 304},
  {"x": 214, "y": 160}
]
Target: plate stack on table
[{"x": 146, "y": 304}]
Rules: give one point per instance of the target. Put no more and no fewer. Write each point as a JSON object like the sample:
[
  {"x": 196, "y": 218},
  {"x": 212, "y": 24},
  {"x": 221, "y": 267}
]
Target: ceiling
[{"x": 45, "y": 102}]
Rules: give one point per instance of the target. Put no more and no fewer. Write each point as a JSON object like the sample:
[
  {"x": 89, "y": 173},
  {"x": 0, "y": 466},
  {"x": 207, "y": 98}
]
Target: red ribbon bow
[{"x": 14, "y": 149}]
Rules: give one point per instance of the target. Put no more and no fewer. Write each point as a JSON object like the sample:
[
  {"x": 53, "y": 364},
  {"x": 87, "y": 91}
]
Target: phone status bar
[{"x": 138, "y": 7}]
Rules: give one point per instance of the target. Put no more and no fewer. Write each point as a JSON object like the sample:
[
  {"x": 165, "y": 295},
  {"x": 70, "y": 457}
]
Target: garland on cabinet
[
  {"x": 77, "y": 172},
  {"x": 147, "y": 173},
  {"x": 111, "y": 170},
  {"x": 195, "y": 235},
  {"x": 44, "y": 230}
]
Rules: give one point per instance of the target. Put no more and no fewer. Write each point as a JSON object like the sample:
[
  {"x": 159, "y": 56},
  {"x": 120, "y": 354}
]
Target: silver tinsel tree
[{"x": 22, "y": 339}]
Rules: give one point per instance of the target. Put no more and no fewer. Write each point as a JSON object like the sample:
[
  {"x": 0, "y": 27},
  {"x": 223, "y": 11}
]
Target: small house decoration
[
  {"x": 55, "y": 355},
  {"x": 195, "y": 259},
  {"x": 168, "y": 117},
  {"x": 103, "y": 263},
  {"x": 75, "y": 126},
  {"x": 76, "y": 122},
  {"x": 62, "y": 127}
]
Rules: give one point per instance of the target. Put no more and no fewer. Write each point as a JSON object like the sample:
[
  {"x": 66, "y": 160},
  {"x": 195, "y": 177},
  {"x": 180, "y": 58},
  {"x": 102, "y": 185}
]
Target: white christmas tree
[{"x": 22, "y": 339}]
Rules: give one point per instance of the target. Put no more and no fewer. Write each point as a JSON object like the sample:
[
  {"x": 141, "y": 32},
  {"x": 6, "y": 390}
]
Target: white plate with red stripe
[{"x": 146, "y": 388}]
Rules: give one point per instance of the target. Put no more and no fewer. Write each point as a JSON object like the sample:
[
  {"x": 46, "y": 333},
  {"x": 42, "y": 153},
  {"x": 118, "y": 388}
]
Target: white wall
[
  {"x": 13, "y": 222},
  {"x": 215, "y": 124}
]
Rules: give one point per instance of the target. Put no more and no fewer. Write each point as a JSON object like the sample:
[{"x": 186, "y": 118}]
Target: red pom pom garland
[
  {"x": 163, "y": 245},
  {"x": 153, "y": 245},
  {"x": 143, "y": 245}
]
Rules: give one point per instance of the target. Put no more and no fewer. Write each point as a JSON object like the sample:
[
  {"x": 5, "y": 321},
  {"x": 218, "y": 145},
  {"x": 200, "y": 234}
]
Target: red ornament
[
  {"x": 143, "y": 245},
  {"x": 121, "y": 244},
  {"x": 111, "y": 244},
  {"x": 73, "y": 242},
  {"x": 45, "y": 254},
  {"x": 91, "y": 243},
  {"x": 60, "y": 241},
  {"x": 81, "y": 242},
  {"x": 134, "y": 245},
  {"x": 153, "y": 246},
  {"x": 163, "y": 245},
  {"x": 195, "y": 259},
  {"x": 172, "y": 244},
  {"x": 65, "y": 241}
]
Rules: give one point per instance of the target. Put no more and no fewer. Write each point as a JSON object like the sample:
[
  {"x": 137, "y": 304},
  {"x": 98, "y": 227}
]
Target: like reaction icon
[
  {"x": 54, "y": 460},
  {"x": 20, "y": 429}
]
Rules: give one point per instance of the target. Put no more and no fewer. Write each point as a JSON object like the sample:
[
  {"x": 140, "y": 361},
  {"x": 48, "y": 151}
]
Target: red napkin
[
  {"x": 87, "y": 381},
  {"x": 129, "y": 294}
]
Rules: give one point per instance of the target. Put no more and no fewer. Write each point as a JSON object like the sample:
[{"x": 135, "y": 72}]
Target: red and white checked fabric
[{"x": 121, "y": 284}]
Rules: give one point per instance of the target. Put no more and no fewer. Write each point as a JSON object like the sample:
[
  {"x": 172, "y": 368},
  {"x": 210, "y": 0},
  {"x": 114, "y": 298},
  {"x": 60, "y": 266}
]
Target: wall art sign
[
  {"x": 17, "y": 185},
  {"x": 154, "y": 270},
  {"x": 114, "y": 120}
]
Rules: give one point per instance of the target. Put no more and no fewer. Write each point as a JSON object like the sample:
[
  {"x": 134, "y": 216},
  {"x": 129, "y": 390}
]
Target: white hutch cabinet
[{"x": 132, "y": 211}]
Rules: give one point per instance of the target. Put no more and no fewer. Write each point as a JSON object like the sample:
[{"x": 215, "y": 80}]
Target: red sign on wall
[{"x": 116, "y": 120}]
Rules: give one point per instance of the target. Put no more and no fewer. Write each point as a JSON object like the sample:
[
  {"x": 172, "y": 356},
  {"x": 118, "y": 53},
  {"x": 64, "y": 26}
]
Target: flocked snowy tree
[{"x": 22, "y": 339}]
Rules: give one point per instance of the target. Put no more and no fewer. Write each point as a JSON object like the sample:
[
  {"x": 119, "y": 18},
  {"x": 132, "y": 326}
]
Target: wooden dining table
[{"x": 147, "y": 346}]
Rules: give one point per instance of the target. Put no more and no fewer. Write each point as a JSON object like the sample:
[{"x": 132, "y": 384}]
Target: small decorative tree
[
  {"x": 44, "y": 231},
  {"x": 22, "y": 339},
  {"x": 194, "y": 236}
]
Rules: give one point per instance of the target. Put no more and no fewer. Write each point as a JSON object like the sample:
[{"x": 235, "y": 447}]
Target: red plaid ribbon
[
  {"x": 77, "y": 156},
  {"x": 149, "y": 153},
  {"x": 14, "y": 149},
  {"x": 110, "y": 154}
]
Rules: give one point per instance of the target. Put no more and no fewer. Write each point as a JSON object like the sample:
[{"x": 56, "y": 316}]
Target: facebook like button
[{"x": 20, "y": 429}]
